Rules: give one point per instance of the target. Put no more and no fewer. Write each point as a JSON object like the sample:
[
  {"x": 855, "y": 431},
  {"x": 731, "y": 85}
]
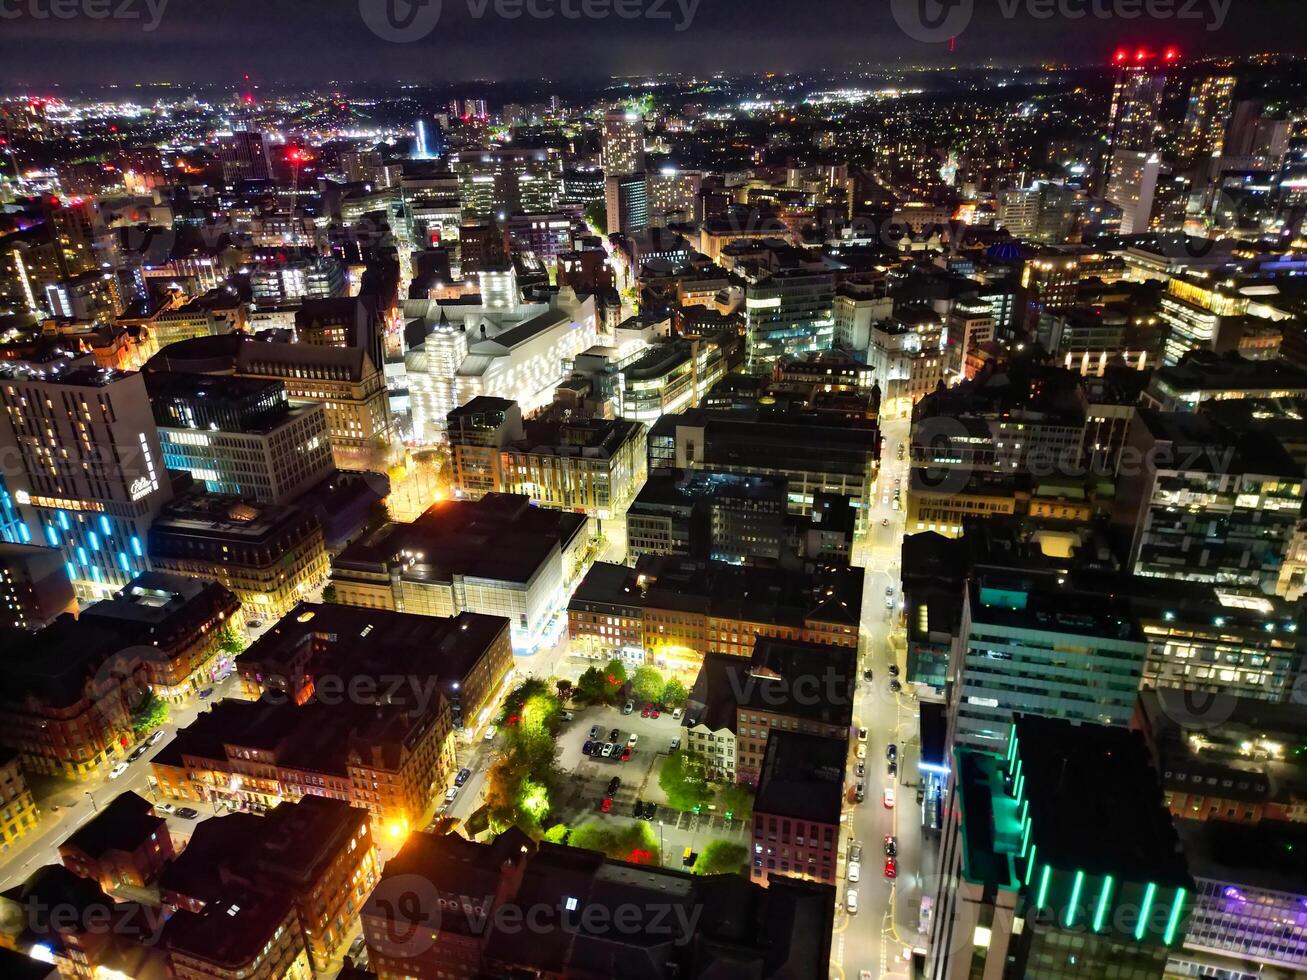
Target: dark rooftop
[{"x": 802, "y": 776}]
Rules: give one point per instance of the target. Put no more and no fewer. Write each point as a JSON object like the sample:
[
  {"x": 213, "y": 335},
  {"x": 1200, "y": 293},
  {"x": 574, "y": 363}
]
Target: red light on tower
[
  {"x": 1141, "y": 55},
  {"x": 1172, "y": 54},
  {"x": 1121, "y": 55}
]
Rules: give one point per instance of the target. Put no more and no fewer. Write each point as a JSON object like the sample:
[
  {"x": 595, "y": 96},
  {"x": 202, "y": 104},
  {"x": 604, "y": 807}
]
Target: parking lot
[{"x": 591, "y": 774}]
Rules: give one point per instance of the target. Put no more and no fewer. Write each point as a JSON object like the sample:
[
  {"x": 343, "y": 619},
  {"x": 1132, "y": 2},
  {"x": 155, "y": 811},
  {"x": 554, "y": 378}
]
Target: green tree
[
  {"x": 230, "y": 640},
  {"x": 646, "y": 684},
  {"x": 596, "y": 213},
  {"x": 149, "y": 714},
  {"x": 590, "y": 685},
  {"x": 721, "y": 857},
  {"x": 614, "y": 679},
  {"x": 329, "y": 592},
  {"x": 557, "y": 834},
  {"x": 681, "y": 778},
  {"x": 634, "y": 842},
  {"x": 737, "y": 799},
  {"x": 674, "y": 694},
  {"x": 564, "y": 688}
]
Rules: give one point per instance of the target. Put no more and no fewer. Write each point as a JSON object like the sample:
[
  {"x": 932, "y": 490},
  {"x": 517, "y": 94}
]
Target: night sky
[{"x": 294, "y": 41}]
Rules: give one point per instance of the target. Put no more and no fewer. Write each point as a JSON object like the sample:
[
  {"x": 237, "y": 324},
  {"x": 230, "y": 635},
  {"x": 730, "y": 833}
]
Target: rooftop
[{"x": 802, "y": 776}]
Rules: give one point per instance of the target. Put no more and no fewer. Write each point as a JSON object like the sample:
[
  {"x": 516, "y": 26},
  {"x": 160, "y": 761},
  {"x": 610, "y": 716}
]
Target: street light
[{"x": 94, "y": 808}]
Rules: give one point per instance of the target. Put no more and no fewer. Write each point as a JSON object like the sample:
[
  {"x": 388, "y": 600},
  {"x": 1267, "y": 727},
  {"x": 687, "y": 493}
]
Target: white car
[
  {"x": 450, "y": 794},
  {"x": 164, "y": 808},
  {"x": 118, "y": 770},
  {"x": 156, "y": 735},
  {"x": 632, "y": 740},
  {"x": 851, "y": 901},
  {"x": 862, "y": 751},
  {"x": 888, "y": 797},
  {"x": 490, "y": 733},
  {"x": 854, "y": 871}
]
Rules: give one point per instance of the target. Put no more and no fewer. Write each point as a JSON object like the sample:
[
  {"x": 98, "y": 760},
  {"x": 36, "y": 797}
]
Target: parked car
[
  {"x": 851, "y": 901},
  {"x": 646, "y": 711},
  {"x": 854, "y": 871},
  {"x": 156, "y": 736},
  {"x": 139, "y": 751},
  {"x": 606, "y": 805},
  {"x": 860, "y": 791},
  {"x": 614, "y": 784},
  {"x": 861, "y": 768},
  {"x": 568, "y": 716},
  {"x": 892, "y": 769},
  {"x": 632, "y": 740},
  {"x": 462, "y": 776},
  {"x": 118, "y": 770},
  {"x": 626, "y": 753},
  {"x": 895, "y": 686},
  {"x": 491, "y": 732},
  {"x": 894, "y": 670},
  {"x": 891, "y": 868},
  {"x": 187, "y": 813},
  {"x": 628, "y": 707},
  {"x": 866, "y": 674},
  {"x": 650, "y": 810},
  {"x": 206, "y": 694},
  {"x": 451, "y": 793},
  {"x": 614, "y": 735},
  {"x": 855, "y": 851},
  {"x": 891, "y": 845},
  {"x": 594, "y": 732},
  {"x": 676, "y": 714},
  {"x": 676, "y": 744},
  {"x": 862, "y": 735},
  {"x": 892, "y": 752},
  {"x": 587, "y": 747},
  {"x": 162, "y": 807},
  {"x": 888, "y": 798},
  {"x": 862, "y": 752},
  {"x": 607, "y": 751}
]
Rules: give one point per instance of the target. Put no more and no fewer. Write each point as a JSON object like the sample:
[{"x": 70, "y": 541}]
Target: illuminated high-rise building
[
  {"x": 244, "y": 156},
  {"x": 1132, "y": 187},
  {"x": 1140, "y": 82},
  {"x": 623, "y": 149},
  {"x": 90, "y": 473},
  {"x": 1203, "y": 133}
]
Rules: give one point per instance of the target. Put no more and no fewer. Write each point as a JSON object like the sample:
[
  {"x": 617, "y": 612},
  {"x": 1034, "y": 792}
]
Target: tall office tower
[
  {"x": 674, "y": 196},
  {"x": 627, "y": 204},
  {"x": 79, "y": 234},
  {"x": 623, "y": 147},
  {"x": 90, "y": 474},
  {"x": 788, "y": 312},
  {"x": 1140, "y": 82},
  {"x": 1203, "y": 132},
  {"x": 497, "y": 183},
  {"x": 1132, "y": 187},
  {"x": 244, "y": 156},
  {"x": 1292, "y": 180}
]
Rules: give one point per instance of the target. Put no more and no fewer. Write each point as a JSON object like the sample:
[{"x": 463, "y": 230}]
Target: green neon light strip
[
  {"x": 1075, "y": 899},
  {"x": 1043, "y": 886},
  {"x": 1177, "y": 905},
  {"x": 1011, "y": 746},
  {"x": 1030, "y": 865},
  {"x": 1101, "y": 912},
  {"x": 1025, "y": 837},
  {"x": 1021, "y": 781},
  {"x": 1142, "y": 925}
]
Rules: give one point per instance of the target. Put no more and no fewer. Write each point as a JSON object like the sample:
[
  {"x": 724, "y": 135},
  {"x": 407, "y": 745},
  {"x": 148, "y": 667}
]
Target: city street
[{"x": 885, "y": 925}]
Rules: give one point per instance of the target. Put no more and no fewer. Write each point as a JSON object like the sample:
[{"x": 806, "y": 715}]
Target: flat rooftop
[{"x": 802, "y": 776}]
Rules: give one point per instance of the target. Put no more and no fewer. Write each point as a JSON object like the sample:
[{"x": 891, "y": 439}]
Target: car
[
  {"x": 889, "y": 591},
  {"x": 884, "y": 522},
  {"x": 855, "y": 851},
  {"x": 851, "y": 901},
  {"x": 491, "y": 732},
  {"x": 888, "y": 798},
  {"x": 860, "y": 791},
  {"x": 892, "y": 752},
  {"x": 187, "y": 813},
  {"x": 637, "y": 809},
  {"x": 862, "y": 735},
  {"x": 632, "y": 740},
  {"x": 892, "y": 769},
  {"x": 894, "y": 670},
  {"x": 891, "y": 868},
  {"x": 646, "y": 711},
  {"x": 626, "y": 754},
  {"x": 606, "y": 806},
  {"x": 628, "y": 707},
  {"x": 162, "y": 807},
  {"x": 676, "y": 713},
  {"x": 594, "y": 732},
  {"x": 889, "y": 602},
  {"x": 650, "y": 810},
  {"x": 861, "y": 768},
  {"x": 118, "y": 770},
  {"x": 614, "y": 785},
  {"x": 357, "y": 949},
  {"x": 451, "y": 793},
  {"x": 862, "y": 752},
  {"x": 891, "y": 845},
  {"x": 656, "y": 712},
  {"x": 854, "y": 871},
  {"x": 607, "y": 751},
  {"x": 139, "y": 751},
  {"x": 866, "y": 674},
  {"x": 614, "y": 735},
  {"x": 895, "y": 686},
  {"x": 463, "y": 775},
  {"x": 156, "y": 736},
  {"x": 206, "y": 694},
  {"x": 254, "y": 623},
  {"x": 676, "y": 744},
  {"x": 587, "y": 747}
]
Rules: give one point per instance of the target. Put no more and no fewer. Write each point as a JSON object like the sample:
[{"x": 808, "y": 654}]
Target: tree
[
  {"x": 737, "y": 799},
  {"x": 230, "y": 641},
  {"x": 557, "y": 834},
  {"x": 564, "y": 690},
  {"x": 646, "y": 684},
  {"x": 329, "y": 592},
  {"x": 633, "y": 842},
  {"x": 614, "y": 679},
  {"x": 590, "y": 685},
  {"x": 682, "y": 779},
  {"x": 674, "y": 693},
  {"x": 721, "y": 857},
  {"x": 149, "y": 714}
]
